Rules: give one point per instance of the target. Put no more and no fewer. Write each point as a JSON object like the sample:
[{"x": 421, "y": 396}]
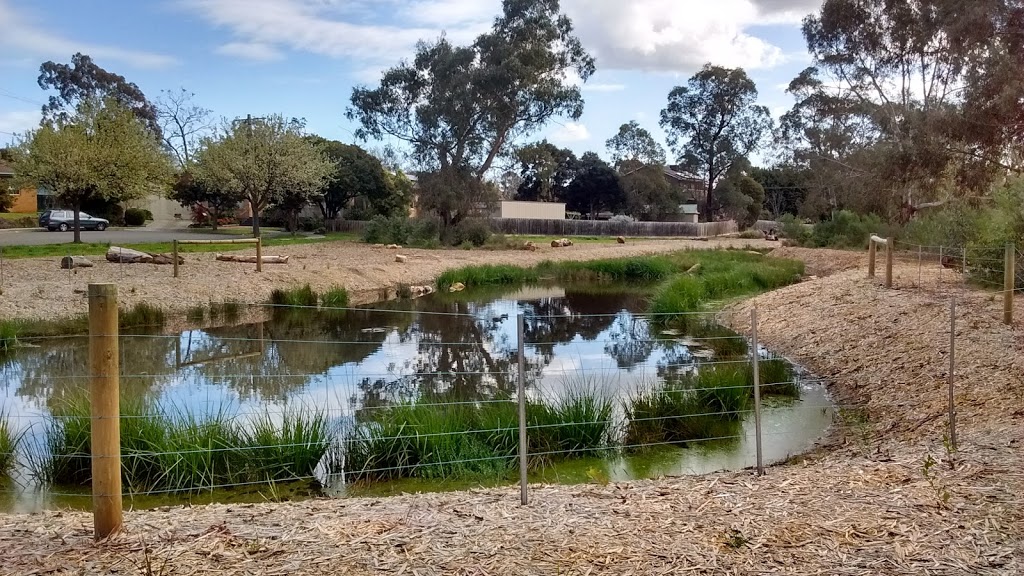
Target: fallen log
[
  {"x": 69, "y": 262},
  {"x": 121, "y": 255},
  {"x": 399, "y": 258},
  {"x": 620, "y": 240},
  {"x": 561, "y": 243},
  {"x": 252, "y": 259}
]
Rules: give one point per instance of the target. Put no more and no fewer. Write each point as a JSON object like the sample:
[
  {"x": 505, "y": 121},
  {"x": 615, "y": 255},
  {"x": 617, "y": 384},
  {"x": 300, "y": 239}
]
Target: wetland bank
[{"x": 628, "y": 375}]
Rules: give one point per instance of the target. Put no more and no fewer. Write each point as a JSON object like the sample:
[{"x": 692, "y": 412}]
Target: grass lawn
[{"x": 99, "y": 248}]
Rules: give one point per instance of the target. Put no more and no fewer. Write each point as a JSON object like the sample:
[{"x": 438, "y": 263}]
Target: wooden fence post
[
  {"x": 175, "y": 256},
  {"x": 104, "y": 369},
  {"x": 1009, "y": 282},
  {"x": 754, "y": 356},
  {"x": 871, "y": 258},
  {"x": 523, "y": 445},
  {"x": 952, "y": 370},
  {"x": 888, "y": 262},
  {"x": 259, "y": 254}
]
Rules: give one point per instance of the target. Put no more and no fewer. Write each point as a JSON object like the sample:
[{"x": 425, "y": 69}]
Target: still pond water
[{"x": 461, "y": 345}]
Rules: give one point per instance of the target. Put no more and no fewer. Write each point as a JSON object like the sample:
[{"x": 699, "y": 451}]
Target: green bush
[
  {"x": 794, "y": 229},
  {"x": 148, "y": 214},
  {"x": 134, "y": 217},
  {"x": 473, "y": 230},
  {"x": 847, "y": 229},
  {"x": 303, "y": 296}
]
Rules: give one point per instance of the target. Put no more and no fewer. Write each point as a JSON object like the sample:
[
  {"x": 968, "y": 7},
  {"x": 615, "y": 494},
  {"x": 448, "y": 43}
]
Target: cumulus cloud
[
  {"x": 19, "y": 33},
  {"x": 569, "y": 133},
  {"x": 675, "y": 36},
  {"x": 681, "y": 35}
]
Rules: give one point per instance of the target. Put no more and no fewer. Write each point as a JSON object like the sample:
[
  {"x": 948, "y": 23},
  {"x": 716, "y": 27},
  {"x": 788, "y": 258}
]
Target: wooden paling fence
[{"x": 524, "y": 226}]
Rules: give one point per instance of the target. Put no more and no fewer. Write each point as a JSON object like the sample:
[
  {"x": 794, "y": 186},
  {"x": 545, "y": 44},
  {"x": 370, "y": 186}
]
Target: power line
[{"x": 23, "y": 99}]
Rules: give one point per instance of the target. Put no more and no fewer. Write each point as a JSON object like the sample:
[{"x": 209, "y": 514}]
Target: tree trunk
[
  {"x": 77, "y": 223},
  {"x": 214, "y": 215},
  {"x": 255, "y": 221}
]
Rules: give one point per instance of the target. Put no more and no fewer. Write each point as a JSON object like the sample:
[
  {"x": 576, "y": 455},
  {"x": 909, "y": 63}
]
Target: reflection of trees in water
[
  {"x": 59, "y": 368},
  {"x": 465, "y": 347},
  {"x": 298, "y": 346}
]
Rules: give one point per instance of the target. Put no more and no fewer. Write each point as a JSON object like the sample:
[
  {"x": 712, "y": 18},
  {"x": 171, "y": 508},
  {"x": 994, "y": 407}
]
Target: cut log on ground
[
  {"x": 620, "y": 240},
  {"x": 252, "y": 259},
  {"x": 561, "y": 243},
  {"x": 400, "y": 258},
  {"x": 69, "y": 262},
  {"x": 695, "y": 269},
  {"x": 121, "y": 255},
  {"x": 530, "y": 246}
]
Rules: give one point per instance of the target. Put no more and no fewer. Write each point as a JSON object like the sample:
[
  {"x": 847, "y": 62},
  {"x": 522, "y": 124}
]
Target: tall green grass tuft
[
  {"x": 778, "y": 378},
  {"x": 678, "y": 295},
  {"x": 641, "y": 269},
  {"x": 437, "y": 440},
  {"x": 142, "y": 315},
  {"x": 229, "y": 310},
  {"x": 177, "y": 451},
  {"x": 9, "y": 441},
  {"x": 196, "y": 314},
  {"x": 485, "y": 275},
  {"x": 8, "y": 335},
  {"x": 304, "y": 296},
  {"x": 336, "y": 297}
]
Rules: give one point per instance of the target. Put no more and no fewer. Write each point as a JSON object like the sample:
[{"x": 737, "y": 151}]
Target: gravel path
[{"x": 38, "y": 288}]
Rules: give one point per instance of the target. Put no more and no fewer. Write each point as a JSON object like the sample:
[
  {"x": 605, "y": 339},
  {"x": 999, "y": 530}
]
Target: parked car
[{"x": 64, "y": 220}]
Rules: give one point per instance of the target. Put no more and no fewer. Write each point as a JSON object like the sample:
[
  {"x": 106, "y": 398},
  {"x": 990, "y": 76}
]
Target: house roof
[
  {"x": 6, "y": 168},
  {"x": 681, "y": 175}
]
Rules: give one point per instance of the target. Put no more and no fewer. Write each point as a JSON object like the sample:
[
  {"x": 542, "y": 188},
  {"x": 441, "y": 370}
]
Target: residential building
[{"x": 529, "y": 210}]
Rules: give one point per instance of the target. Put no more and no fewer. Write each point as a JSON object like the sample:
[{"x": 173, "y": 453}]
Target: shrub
[
  {"x": 794, "y": 229},
  {"x": 472, "y": 230},
  {"x": 142, "y": 315},
  {"x": 134, "y": 217},
  {"x": 846, "y": 229},
  {"x": 383, "y": 230}
]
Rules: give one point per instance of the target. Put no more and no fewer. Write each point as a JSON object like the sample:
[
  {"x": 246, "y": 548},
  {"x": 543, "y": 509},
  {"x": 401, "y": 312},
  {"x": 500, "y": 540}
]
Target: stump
[
  {"x": 399, "y": 258},
  {"x": 69, "y": 262}
]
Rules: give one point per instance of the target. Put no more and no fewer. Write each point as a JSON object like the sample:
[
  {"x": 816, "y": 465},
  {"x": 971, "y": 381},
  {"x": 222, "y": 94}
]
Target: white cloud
[
  {"x": 18, "y": 121},
  {"x": 570, "y": 132},
  {"x": 679, "y": 36},
  {"x": 676, "y": 36},
  {"x": 256, "y": 51},
  {"x": 329, "y": 28},
  {"x": 19, "y": 34}
]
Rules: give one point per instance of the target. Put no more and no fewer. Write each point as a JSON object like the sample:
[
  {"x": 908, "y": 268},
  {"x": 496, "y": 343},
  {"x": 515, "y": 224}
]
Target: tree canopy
[
  {"x": 712, "y": 122},
  {"x": 261, "y": 160},
  {"x": 460, "y": 107},
  {"x": 84, "y": 80},
  {"x": 595, "y": 187},
  {"x": 634, "y": 143},
  {"x": 100, "y": 152},
  {"x": 545, "y": 171}
]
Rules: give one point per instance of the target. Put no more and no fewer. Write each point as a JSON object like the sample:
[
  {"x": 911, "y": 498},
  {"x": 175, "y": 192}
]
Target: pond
[{"x": 408, "y": 395}]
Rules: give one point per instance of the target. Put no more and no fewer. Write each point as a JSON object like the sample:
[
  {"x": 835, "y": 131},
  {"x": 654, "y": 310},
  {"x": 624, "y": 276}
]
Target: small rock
[{"x": 620, "y": 240}]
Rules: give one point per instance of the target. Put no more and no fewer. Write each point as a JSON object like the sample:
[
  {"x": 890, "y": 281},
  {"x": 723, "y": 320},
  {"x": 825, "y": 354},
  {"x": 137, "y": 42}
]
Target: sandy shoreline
[{"x": 38, "y": 288}]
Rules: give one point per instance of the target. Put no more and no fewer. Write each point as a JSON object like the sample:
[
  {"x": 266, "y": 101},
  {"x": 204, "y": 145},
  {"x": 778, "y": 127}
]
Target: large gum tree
[{"x": 460, "y": 107}]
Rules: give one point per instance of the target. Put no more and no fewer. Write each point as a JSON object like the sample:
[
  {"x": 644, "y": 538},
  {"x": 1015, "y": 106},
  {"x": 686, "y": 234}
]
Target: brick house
[{"x": 26, "y": 200}]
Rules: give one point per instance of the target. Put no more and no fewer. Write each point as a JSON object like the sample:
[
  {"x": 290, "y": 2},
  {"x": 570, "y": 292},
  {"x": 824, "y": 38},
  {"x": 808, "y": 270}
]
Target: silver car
[{"x": 64, "y": 220}]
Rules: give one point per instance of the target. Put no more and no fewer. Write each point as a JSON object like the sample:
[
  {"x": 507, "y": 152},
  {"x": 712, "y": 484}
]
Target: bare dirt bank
[
  {"x": 38, "y": 288},
  {"x": 868, "y": 505}
]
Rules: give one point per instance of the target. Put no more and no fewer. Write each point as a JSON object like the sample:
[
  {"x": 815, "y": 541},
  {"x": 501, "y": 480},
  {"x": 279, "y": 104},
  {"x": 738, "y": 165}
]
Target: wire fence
[
  {"x": 950, "y": 270},
  {"x": 486, "y": 397}
]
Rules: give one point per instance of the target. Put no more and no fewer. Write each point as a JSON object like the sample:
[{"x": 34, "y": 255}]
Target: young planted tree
[
  {"x": 260, "y": 160},
  {"x": 197, "y": 193},
  {"x": 712, "y": 122},
  {"x": 460, "y": 107},
  {"x": 101, "y": 152},
  {"x": 85, "y": 81}
]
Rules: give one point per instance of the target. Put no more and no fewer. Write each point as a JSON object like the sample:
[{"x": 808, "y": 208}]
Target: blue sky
[{"x": 302, "y": 57}]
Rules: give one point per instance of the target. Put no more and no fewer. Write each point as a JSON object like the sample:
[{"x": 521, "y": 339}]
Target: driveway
[{"x": 38, "y": 236}]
